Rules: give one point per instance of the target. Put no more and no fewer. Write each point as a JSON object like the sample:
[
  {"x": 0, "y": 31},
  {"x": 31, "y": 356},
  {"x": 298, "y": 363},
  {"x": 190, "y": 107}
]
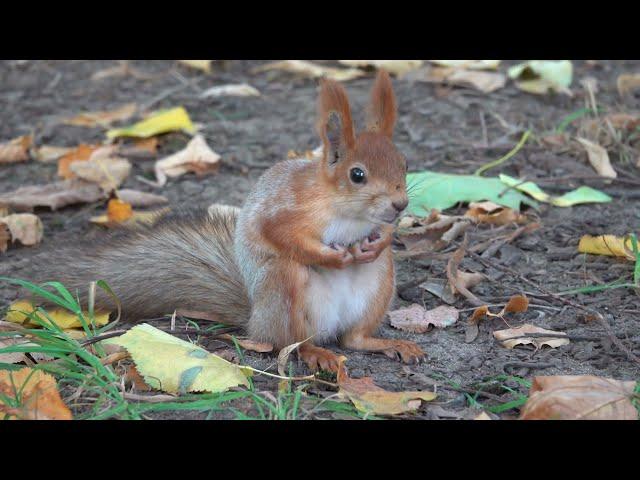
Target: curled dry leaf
[
  {"x": 485, "y": 82},
  {"x": 494, "y": 214},
  {"x": 417, "y": 319},
  {"x": 196, "y": 157},
  {"x": 432, "y": 233},
  {"x": 309, "y": 69},
  {"x": 23, "y": 227},
  {"x": 516, "y": 304},
  {"x": 397, "y": 67},
  {"x": 102, "y": 118},
  {"x": 17, "y": 150},
  {"x": 138, "y": 199},
  {"x": 39, "y": 397},
  {"x": 599, "y": 158},
  {"x": 459, "y": 282},
  {"x": 50, "y": 153},
  {"x": 53, "y": 195},
  {"x": 248, "y": 344},
  {"x": 369, "y": 398},
  {"x": 628, "y": 84},
  {"x": 283, "y": 356},
  {"x": 508, "y": 338},
  {"x": 579, "y": 397},
  {"x": 232, "y": 90},
  {"x": 607, "y": 245}
]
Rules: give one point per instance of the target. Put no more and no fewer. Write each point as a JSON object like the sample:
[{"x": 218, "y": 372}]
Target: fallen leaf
[
  {"x": 19, "y": 311},
  {"x": 81, "y": 153},
  {"x": 431, "y": 190},
  {"x": 49, "y": 153},
  {"x": 416, "y": 319},
  {"x": 136, "y": 218},
  {"x": 397, "y": 67},
  {"x": 439, "y": 288},
  {"x": 234, "y": 90},
  {"x": 579, "y": 397},
  {"x": 485, "y": 82},
  {"x": 196, "y": 157},
  {"x": 369, "y": 398},
  {"x": 469, "y": 64},
  {"x": 506, "y": 337},
  {"x": 5, "y": 237},
  {"x": 163, "y": 121},
  {"x": 599, "y": 158},
  {"x": 138, "y": 199},
  {"x": 105, "y": 171},
  {"x": 581, "y": 195},
  {"x": 53, "y": 195},
  {"x": 607, "y": 245},
  {"x": 17, "y": 150},
  {"x": 23, "y": 227},
  {"x": 483, "y": 416},
  {"x": 628, "y": 84},
  {"x": 203, "y": 65},
  {"x": 102, "y": 118},
  {"x": 248, "y": 344},
  {"x": 283, "y": 356},
  {"x": 542, "y": 76},
  {"x": 432, "y": 233},
  {"x": 309, "y": 69},
  {"x": 12, "y": 357},
  {"x": 516, "y": 304},
  {"x": 493, "y": 214},
  {"x": 36, "y": 393},
  {"x": 133, "y": 376},
  {"x": 173, "y": 365}
]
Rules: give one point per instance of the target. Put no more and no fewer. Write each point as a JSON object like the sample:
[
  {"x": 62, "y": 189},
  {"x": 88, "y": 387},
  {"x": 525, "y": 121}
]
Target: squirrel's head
[{"x": 366, "y": 170}]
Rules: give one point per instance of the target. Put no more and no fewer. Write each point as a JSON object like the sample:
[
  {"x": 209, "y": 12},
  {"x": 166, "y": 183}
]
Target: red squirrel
[{"x": 307, "y": 256}]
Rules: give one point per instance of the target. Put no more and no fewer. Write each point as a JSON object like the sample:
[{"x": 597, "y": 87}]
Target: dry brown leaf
[
  {"x": 368, "y": 397},
  {"x": 102, "y": 118},
  {"x": 459, "y": 282},
  {"x": 196, "y": 157},
  {"x": 309, "y": 69},
  {"x": 516, "y": 304},
  {"x": 397, "y": 67},
  {"x": 432, "y": 233},
  {"x": 483, "y": 416},
  {"x": 5, "y": 237},
  {"x": 556, "y": 141},
  {"x": 39, "y": 398},
  {"x": 102, "y": 169},
  {"x": 417, "y": 319},
  {"x": 485, "y": 82},
  {"x": 506, "y": 337},
  {"x": 50, "y": 153},
  {"x": 133, "y": 376},
  {"x": 138, "y": 199},
  {"x": 283, "y": 356},
  {"x": 248, "y": 344},
  {"x": 12, "y": 357},
  {"x": 579, "y": 397},
  {"x": 599, "y": 158},
  {"x": 628, "y": 84},
  {"x": 233, "y": 90},
  {"x": 52, "y": 195},
  {"x": 440, "y": 288},
  {"x": 202, "y": 65},
  {"x": 16, "y": 150},
  {"x": 26, "y": 228},
  {"x": 493, "y": 214},
  {"x": 79, "y": 154}
]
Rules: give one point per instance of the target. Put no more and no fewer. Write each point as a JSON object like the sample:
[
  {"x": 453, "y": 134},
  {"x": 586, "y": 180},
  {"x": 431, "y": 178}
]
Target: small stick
[{"x": 506, "y": 157}]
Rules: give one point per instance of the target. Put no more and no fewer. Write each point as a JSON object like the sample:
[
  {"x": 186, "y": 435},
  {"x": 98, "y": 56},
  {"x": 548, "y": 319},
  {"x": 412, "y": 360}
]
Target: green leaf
[
  {"x": 173, "y": 365},
  {"x": 430, "y": 190},
  {"x": 580, "y": 195}
]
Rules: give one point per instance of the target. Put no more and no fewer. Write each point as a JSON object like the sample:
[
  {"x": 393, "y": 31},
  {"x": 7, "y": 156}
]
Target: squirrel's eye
[{"x": 357, "y": 175}]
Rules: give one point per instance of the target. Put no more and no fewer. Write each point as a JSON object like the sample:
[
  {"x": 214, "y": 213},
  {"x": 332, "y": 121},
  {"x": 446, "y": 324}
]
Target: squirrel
[{"x": 308, "y": 255}]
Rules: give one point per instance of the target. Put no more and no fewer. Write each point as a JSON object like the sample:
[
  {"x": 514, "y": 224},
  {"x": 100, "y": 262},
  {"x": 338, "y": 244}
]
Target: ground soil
[{"x": 439, "y": 129}]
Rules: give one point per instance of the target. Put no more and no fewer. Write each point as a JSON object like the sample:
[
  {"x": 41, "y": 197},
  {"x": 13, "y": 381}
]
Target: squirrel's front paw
[
  {"x": 370, "y": 248},
  {"x": 338, "y": 256},
  {"x": 408, "y": 351}
]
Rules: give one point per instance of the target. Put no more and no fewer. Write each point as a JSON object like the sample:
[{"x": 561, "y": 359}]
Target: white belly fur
[{"x": 338, "y": 299}]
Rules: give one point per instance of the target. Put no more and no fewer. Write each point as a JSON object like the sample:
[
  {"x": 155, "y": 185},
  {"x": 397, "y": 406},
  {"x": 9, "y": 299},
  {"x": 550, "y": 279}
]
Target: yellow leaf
[
  {"x": 33, "y": 394},
  {"x": 18, "y": 313},
  {"x": 204, "y": 65},
  {"x": 102, "y": 118},
  {"x": 159, "y": 122},
  {"x": 176, "y": 366},
  {"x": 606, "y": 245},
  {"x": 368, "y": 397}
]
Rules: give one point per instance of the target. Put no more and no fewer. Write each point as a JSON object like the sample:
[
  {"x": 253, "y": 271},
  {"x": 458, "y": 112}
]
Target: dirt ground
[{"x": 438, "y": 129}]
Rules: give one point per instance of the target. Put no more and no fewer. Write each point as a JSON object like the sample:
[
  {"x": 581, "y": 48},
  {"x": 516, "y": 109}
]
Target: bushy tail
[{"x": 184, "y": 261}]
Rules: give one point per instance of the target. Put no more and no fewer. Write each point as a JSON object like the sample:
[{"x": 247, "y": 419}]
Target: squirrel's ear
[
  {"x": 381, "y": 114},
  {"x": 335, "y": 125}
]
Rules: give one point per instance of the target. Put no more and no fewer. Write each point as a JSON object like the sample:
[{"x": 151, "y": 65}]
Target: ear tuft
[
  {"x": 381, "y": 114},
  {"x": 335, "y": 125}
]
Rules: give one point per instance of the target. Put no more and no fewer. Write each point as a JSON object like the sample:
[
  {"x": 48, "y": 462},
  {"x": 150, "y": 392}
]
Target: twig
[{"x": 506, "y": 157}]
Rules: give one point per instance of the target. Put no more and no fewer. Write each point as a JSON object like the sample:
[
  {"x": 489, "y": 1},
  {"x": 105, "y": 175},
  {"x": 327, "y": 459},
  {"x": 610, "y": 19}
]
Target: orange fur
[{"x": 381, "y": 115}]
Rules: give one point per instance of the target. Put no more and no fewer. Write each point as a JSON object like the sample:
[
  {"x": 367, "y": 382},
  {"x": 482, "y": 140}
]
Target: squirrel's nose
[{"x": 400, "y": 205}]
